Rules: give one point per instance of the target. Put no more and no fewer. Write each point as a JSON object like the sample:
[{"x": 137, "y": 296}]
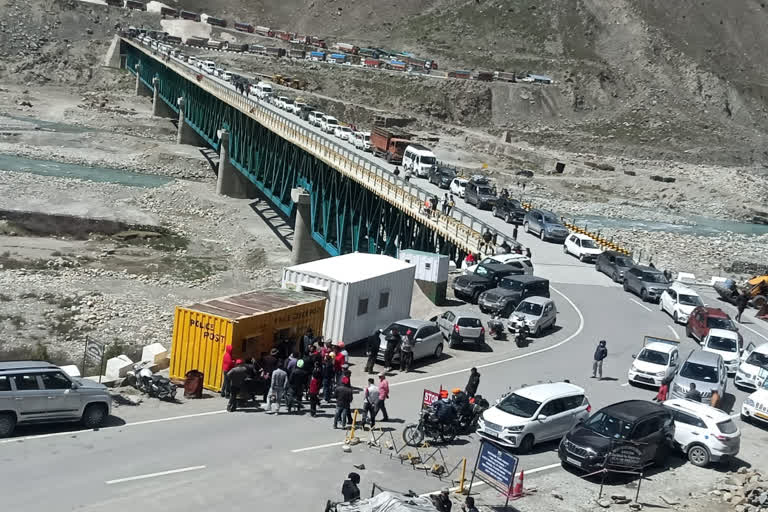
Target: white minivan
[
  {"x": 262, "y": 90},
  {"x": 362, "y": 140},
  {"x": 208, "y": 66},
  {"x": 329, "y": 124},
  {"x": 419, "y": 160}
]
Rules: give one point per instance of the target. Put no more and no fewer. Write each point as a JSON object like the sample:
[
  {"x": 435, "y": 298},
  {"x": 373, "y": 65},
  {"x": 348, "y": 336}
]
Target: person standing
[
  {"x": 443, "y": 501},
  {"x": 444, "y": 208},
  {"x": 393, "y": 342},
  {"x": 383, "y": 396},
  {"x": 226, "y": 364},
  {"x": 473, "y": 383},
  {"x": 338, "y": 365},
  {"x": 277, "y": 389},
  {"x": 374, "y": 343},
  {"x": 370, "y": 402},
  {"x": 328, "y": 376},
  {"x": 601, "y": 352},
  {"x": 406, "y": 352},
  {"x": 741, "y": 305},
  {"x": 298, "y": 381},
  {"x": 291, "y": 364},
  {"x": 268, "y": 365},
  {"x": 314, "y": 390},
  {"x": 349, "y": 488},
  {"x": 514, "y": 232},
  {"x": 469, "y": 505},
  {"x": 451, "y": 205},
  {"x": 237, "y": 377},
  {"x": 343, "y": 403},
  {"x": 306, "y": 341}
]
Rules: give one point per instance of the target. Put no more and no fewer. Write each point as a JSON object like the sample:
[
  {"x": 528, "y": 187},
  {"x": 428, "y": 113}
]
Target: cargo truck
[
  {"x": 197, "y": 41},
  {"x": 389, "y": 144},
  {"x": 189, "y": 15},
  {"x": 244, "y": 27},
  {"x": 264, "y": 31},
  {"x": 135, "y": 4},
  {"x": 169, "y": 11},
  {"x": 216, "y": 21}
]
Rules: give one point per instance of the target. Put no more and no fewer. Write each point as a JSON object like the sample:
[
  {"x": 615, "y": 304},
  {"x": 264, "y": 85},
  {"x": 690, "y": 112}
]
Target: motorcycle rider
[
  {"x": 521, "y": 338},
  {"x": 461, "y": 401},
  {"x": 445, "y": 409}
]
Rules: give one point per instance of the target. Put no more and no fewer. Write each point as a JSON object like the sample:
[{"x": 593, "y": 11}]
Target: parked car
[
  {"x": 208, "y": 66},
  {"x": 39, "y": 392},
  {"x": 534, "y": 414},
  {"x": 703, "y": 433},
  {"x": 539, "y": 314},
  {"x": 704, "y": 369},
  {"x": 343, "y": 132},
  {"x": 192, "y": 60},
  {"x": 442, "y": 176},
  {"x": 679, "y": 301},
  {"x": 263, "y": 90},
  {"x": 458, "y": 187},
  {"x": 588, "y": 445},
  {"x": 727, "y": 344},
  {"x": 704, "y": 318},
  {"x": 753, "y": 369},
  {"x": 486, "y": 276},
  {"x": 315, "y": 118},
  {"x": 226, "y": 75},
  {"x": 581, "y": 246},
  {"x": 511, "y": 210},
  {"x": 328, "y": 123},
  {"x": 647, "y": 282},
  {"x": 614, "y": 264},
  {"x": 362, "y": 140},
  {"x": 306, "y": 110},
  {"x": 286, "y": 103},
  {"x": 755, "y": 406},
  {"x": 461, "y": 327},
  {"x": 419, "y": 160},
  {"x": 510, "y": 291},
  {"x": 298, "y": 106},
  {"x": 544, "y": 224},
  {"x": 658, "y": 360},
  {"x": 480, "y": 192},
  {"x": 429, "y": 339},
  {"x": 516, "y": 260}
]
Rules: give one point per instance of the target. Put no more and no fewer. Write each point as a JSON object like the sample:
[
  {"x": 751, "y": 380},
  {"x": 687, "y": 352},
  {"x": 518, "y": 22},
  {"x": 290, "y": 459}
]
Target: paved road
[{"x": 248, "y": 459}]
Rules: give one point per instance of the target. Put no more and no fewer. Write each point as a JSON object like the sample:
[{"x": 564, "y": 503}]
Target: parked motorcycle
[
  {"x": 519, "y": 328},
  {"x": 496, "y": 328},
  {"x": 153, "y": 385},
  {"x": 429, "y": 426}
]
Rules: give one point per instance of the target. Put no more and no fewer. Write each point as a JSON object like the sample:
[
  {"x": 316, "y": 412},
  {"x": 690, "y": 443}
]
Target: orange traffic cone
[{"x": 517, "y": 486}]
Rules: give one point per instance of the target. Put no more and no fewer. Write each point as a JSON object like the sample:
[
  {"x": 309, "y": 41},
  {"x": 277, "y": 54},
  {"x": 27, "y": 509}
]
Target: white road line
[
  {"x": 736, "y": 416},
  {"x": 754, "y": 331},
  {"x": 641, "y": 305},
  {"x": 318, "y": 447},
  {"x": 677, "y": 336},
  {"x": 478, "y": 484},
  {"x": 152, "y": 475},
  {"x": 625, "y": 384}
]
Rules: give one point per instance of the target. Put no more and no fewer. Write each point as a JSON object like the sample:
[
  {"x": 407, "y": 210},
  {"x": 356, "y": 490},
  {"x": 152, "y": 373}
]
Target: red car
[{"x": 704, "y": 318}]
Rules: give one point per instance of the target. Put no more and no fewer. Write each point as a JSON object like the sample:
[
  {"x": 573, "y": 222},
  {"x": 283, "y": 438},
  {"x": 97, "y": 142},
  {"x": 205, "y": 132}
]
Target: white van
[
  {"x": 263, "y": 90},
  {"x": 419, "y": 160},
  {"x": 315, "y": 118},
  {"x": 362, "y": 140},
  {"x": 329, "y": 124},
  {"x": 208, "y": 66}
]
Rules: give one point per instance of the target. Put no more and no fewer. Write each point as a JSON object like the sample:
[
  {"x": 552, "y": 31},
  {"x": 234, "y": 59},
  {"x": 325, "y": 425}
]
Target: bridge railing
[{"x": 462, "y": 228}]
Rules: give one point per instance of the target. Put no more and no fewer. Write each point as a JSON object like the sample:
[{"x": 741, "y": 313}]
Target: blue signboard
[{"x": 496, "y": 466}]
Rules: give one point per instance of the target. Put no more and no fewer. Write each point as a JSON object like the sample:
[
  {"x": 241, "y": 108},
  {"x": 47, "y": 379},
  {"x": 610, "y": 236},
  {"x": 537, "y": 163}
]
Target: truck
[
  {"x": 244, "y": 27},
  {"x": 317, "y": 56},
  {"x": 136, "y": 5},
  {"x": 316, "y": 41},
  {"x": 238, "y": 47},
  {"x": 169, "y": 11},
  {"x": 347, "y": 48},
  {"x": 465, "y": 75},
  {"x": 257, "y": 48},
  {"x": 372, "y": 63},
  {"x": 285, "y": 36},
  {"x": 484, "y": 76},
  {"x": 116, "y": 3},
  {"x": 338, "y": 58},
  {"x": 389, "y": 144},
  {"x": 214, "y": 44},
  {"x": 368, "y": 52},
  {"x": 275, "y": 52},
  {"x": 216, "y": 21},
  {"x": 197, "y": 41},
  {"x": 173, "y": 39},
  {"x": 297, "y": 54},
  {"x": 503, "y": 76},
  {"x": 264, "y": 31},
  {"x": 189, "y": 15},
  {"x": 396, "y": 65}
]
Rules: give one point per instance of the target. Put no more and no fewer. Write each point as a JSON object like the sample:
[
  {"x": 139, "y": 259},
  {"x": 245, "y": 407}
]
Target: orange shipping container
[{"x": 253, "y": 323}]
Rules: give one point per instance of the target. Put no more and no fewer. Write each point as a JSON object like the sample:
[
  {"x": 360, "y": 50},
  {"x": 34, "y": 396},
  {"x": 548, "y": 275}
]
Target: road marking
[
  {"x": 318, "y": 447},
  {"x": 754, "y": 331},
  {"x": 477, "y": 484},
  {"x": 641, "y": 305},
  {"x": 152, "y": 475},
  {"x": 625, "y": 384},
  {"x": 736, "y": 416},
  {"x": 677, "y": 336}
]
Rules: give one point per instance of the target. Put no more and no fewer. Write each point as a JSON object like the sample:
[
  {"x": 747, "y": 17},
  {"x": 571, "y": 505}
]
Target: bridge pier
[
  {"x": 140, "y": 89},
  {"x": 305, "y": 248},
  {"x": 159, "y": 107},
  {"x": 230, "y": 181},
  {"x": 185, "y": 133}
]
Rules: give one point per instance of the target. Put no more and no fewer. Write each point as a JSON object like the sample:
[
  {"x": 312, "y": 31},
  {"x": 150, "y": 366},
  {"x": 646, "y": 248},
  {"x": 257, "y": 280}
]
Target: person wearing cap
[
  {"x": 343, "y": 402},
  {"x": 227, "y": 363},
  {"x": 406, "y": 351},
  {"x": 443, "y": 500},
  {"x": 473, "y": 383},
  {"x": 445, "y": 409},
  {"x": 349, "y": 488},
  {"x": 601, "y": 352},
  {"x": 383, "y": 396},
  {"x": 298, "y": 380},
  {"x": 469, "y": 505},
  {"x": 236, "y": 378}
]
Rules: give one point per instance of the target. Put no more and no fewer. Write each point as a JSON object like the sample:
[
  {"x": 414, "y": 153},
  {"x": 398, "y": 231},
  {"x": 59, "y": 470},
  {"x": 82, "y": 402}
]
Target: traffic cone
[{"x": 517, "y": 486}]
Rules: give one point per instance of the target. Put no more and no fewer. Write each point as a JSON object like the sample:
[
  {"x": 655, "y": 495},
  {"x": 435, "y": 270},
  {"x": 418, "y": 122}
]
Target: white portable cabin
[
  {"x": 431, "y": 272},
  {"x": 365, "y": 292}
]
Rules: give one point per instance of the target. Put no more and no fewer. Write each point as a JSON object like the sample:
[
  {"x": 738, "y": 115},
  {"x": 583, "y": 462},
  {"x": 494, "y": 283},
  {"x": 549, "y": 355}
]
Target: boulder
[
  {"x": 154, "y": 353},
  {"x": 118, "y": 367}
]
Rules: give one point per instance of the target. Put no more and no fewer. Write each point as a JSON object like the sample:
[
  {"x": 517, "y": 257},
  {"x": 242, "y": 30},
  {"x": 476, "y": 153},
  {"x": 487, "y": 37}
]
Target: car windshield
[
  {"x": 429, "y": 160},
  {"x": 469, "y": 322},
  {"x": 550, "y": 219},
  {"x": 690, "y": 300},
  {"x": 588, "y": 243},
  {"x": 653, "y": 357},
  {"x": 366, "y": 138},
  {"x": 724, "y": 344},
  {"x": 450, "y": 173},
  {"x": 331, "y": 121},
  {"x": 717, "y": 322},
  {"x": 519, "y": 406},
  {"x": 461, "y": 183},
  {"x": 654, "y": 277},
  {"x": 758, "y": 359},
  {"x": 608, "y": 426},
  {"x": 529, "y": 308},
  {"x": 624, "y": 262},
  {"x": 488, "y": 191},
  {"x": 511, "y": 284},
  {"x": 695, "y": 371}
]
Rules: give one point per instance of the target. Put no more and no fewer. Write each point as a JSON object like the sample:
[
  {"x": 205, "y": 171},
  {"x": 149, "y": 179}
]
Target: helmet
[
  {"x": 443, "y": 393},
  {"x": 300, "y": 363},
  {"x": 456, "y": 391}
]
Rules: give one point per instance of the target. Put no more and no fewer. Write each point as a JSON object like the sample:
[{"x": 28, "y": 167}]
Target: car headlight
[
  {"x": 749, "y": 402},
  {"x": 531, "y": 322},
  {"x": 660, "y": 374},
  {"x": 516, "y": 428},
  {"x": 633, "y": 368}
]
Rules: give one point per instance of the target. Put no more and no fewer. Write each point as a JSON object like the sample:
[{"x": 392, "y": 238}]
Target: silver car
[
  {"x": 461, "y": 327},
  {"x": 38, "y": 392},
  {"x": 539, "y": 314},
  {"x": 647, "y": 282},
  {"x": 704, "y": 369},
  {"x": 429, "y": 340}
]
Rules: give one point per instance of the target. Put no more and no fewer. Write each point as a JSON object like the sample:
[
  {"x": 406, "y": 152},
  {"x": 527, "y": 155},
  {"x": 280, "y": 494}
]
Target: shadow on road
[{"x": 57, "y": 428}]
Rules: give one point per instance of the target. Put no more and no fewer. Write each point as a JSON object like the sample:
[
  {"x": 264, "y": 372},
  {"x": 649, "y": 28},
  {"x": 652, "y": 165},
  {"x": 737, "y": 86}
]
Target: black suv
[
  {"x": 442, "y": 176},
  {"x": 621, "y": 436},
  {"x": 510, "y": 210},
  {"x": 480, "y": 192},
  {"x": 510, "y": 291},
  {"x": 486, "y": 276},
  {"x": 305, "y": 110}
]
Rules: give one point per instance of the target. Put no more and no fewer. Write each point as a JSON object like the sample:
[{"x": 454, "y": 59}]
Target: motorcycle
[
  {"x": 429, "y": 426},
  {"x": 471, "y": 413},
  {"x": 519, "y": 328},
  {"x": 153, "y": 385},
  {"x": 496, "y": 328}
]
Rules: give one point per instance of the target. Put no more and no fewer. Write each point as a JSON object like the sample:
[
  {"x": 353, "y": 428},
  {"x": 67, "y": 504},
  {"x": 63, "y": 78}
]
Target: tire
[
  {"x": 413, "y": 435},
  {"x": 674, "y": 317},
  {"x": 475, "y": 296},
  {"x": 526, "y": 227},
  {"x": 537, "y": 332},
  {"x": 581, "y": 258},
  {"x": 597, "y": 267},
  {"x": 508, "y": 219},
  {"x": 438, "y": 351},
  {"x": 698, "y": 455},
  {"x": 759, "y": 301},
  {"x": 688, "y": 333},
  {"x": 565, "y": 249},
  {"x": 494, "y": 212},
  {"x": 448, "y": 433},
  {"x": 7, "y": 424},
  {"x": 526, "y": 445},
  {"x": 94, "y": 416},
  {"x": 644, "y": 295},
  {"x": 625, "y": 285}
]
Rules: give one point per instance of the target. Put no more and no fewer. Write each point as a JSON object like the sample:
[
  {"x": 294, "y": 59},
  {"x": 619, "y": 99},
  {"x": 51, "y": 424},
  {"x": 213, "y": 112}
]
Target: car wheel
[
  {"x": 581, "y": 258},
  {"x": 745, "y": 418},
  {"x": 94, "y": 416},
  {"x": 438, "y": 351},
  {"x": 526, "y": 227},
  {"x": 644, "y": 295},
  {"x": 565, "y": 249},
  {"x": 475, "y": 296},
  {"x": 626, "y": 286},
  {"x": 698, "y": 455},
  {"x": 688, "y": 333},
  {"x": 508, "y": 219},
  {"x": 495, "y": 212},
  {"x": 537, "y": 332},
  {"x": 616, "y": 277},
  {"x": 7, "y": 424},
  {"x": 674, "y": 317},
  {"x": 541, "y": 234},
  {"x": 526, "y": 445}
]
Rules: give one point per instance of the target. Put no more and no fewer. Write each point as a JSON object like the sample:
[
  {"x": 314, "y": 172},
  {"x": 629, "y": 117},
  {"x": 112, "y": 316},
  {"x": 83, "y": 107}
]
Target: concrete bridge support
[
  {"x": 231, "y": 182},
  {"x": 305, "y": 248},
  {"x": 159, "y": 107},
  {"x": 140, "y": 89},
  {"x": 185, "y": 133}
]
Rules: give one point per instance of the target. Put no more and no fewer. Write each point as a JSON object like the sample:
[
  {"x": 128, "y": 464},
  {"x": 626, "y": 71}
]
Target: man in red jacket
[{"x": 226, "y": 364}]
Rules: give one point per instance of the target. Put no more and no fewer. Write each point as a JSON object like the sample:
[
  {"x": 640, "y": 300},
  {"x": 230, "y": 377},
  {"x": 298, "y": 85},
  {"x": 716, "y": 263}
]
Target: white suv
[
  {"x": 702, "y": 432},
  {"x": 753, "y": 368},
  {"x": 581, "y": 246},
  {"x": 725, "y": 343},
  {"x": 679, "y": 302},
  {"x": 755, "y": 406},
  {"x": 534, "y": 414}
]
